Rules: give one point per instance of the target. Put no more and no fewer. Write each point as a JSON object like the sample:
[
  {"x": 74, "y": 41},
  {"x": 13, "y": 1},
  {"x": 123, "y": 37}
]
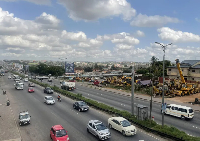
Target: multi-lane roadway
[
  {"x": 44, "y": 116},
  {"x": 191, "y": 127}
]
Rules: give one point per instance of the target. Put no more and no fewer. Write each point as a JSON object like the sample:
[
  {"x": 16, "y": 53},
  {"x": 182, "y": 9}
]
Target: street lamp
[
  {"x": 132, "y": 91},
  {"x": 163, "y": 47}
]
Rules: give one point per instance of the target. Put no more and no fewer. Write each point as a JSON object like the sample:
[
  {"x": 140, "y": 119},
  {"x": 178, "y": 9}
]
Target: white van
[{"x": 179, "y": 111}]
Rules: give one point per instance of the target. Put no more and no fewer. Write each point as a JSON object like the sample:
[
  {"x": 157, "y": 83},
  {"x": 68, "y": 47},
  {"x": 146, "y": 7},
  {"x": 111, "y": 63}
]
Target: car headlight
[
  {"x": 57, "y": 140},
  {"x": 101, "y": 133}
]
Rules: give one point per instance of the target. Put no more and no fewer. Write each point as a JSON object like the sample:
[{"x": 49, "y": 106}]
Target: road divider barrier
[{"x": 148, "y": 125}]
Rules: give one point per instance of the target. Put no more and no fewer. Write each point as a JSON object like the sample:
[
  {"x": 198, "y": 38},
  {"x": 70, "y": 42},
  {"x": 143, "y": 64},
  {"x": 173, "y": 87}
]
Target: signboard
[{"x": 69, "y": 67}]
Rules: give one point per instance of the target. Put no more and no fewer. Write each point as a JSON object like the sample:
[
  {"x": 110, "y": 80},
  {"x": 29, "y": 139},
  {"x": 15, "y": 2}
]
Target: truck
[
  {"x": 19, "y": 86},
  {"x": 67, "y": 85}
]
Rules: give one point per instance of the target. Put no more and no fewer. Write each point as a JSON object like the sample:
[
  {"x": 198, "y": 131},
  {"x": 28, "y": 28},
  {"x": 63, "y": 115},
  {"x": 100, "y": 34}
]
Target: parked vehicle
[
  {"x": 48, "y": 90},
  {"x": 80, "y": 106},
  {"x": 49, "y": 100},
  {"x": 30, "y": 90},
  {"x": 98, "y": 129},
  {"x": 182, "y": 112},
  {"x": 24, "y": 118},
  {"x": 122, "y": 125},
  {"x": 68, "y": 85},
  {"x": 58, "y": 133},
  {"x": 9, "y": 77},
  {"x": 49, "y": 80}
]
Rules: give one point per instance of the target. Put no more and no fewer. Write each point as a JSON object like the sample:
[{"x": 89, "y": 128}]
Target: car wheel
[
  {"x": 20, "y": 124},
  {"x": 79, "y": 110},
  {"x": 50, "y": 136},
  {"x": 123, "y": 133},
  {"x": 182, "y": 117},
  {"x": 88, "y": 130},
  {"x": 110, "y": 126},
  {"x": 74, "y": 107}
]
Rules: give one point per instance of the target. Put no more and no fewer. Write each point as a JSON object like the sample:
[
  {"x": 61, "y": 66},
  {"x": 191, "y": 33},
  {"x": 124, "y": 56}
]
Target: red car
[
  {"x": 58, "y": 133},
  {"x": 30, "y": 90}
]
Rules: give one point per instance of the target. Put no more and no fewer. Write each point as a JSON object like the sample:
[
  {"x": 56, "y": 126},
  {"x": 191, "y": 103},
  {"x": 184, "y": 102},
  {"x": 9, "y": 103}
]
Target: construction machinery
[{"x": 183, "y": 86}]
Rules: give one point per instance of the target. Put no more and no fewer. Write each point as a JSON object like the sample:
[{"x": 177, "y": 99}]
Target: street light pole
[
  {"x": 163, "y": 47},
  {"x": 132, "y": 91}
]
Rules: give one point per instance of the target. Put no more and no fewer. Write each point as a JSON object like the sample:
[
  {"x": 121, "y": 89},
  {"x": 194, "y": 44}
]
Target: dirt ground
[{"x": 185, "y": 99}]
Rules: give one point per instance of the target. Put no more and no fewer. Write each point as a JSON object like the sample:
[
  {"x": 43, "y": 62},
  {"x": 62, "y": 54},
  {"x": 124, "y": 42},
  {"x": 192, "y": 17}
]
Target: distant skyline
[{"x": 99, "y": 30}]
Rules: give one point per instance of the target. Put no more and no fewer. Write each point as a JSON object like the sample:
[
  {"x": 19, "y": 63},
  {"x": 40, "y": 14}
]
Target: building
[{"x": 190, "y": 70}]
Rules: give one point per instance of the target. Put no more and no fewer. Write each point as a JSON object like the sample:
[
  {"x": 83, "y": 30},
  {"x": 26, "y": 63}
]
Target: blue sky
[{"x": 99, "y": 30}]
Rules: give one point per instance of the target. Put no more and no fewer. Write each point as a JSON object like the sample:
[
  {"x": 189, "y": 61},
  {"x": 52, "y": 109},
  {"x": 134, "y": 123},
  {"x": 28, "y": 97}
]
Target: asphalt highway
[
  {"x": 191, "y": 127},
  {"x": 44, "y": 116}
]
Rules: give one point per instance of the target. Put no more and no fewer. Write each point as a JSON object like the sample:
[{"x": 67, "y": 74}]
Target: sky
[{"x": 99, "y": 30}]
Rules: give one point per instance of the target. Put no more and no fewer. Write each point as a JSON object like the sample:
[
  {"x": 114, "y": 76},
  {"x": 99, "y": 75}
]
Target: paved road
[
  {"x": 191, "y": 127},
  {"x": 44, "y": 116}
]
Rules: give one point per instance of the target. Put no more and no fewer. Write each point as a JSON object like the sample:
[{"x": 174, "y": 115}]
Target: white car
[
  {"x": 122, "y": 125},
  {"x": 49, "y": 100},
  {"x": 9, "y": 77},
  {"x": 25, "y": 79}
]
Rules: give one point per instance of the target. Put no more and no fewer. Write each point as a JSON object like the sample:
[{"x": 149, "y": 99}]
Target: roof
[
  {"x": 58, "y": 127},
  {"x": 197, "y": 66},
  {"x": 119, "y": 118},
  {"x": 180, "y": 106},
  {"x": 190, "y": 62},
  {"x": 48, "y": 96},
  {"x": 145, "y": 82}
]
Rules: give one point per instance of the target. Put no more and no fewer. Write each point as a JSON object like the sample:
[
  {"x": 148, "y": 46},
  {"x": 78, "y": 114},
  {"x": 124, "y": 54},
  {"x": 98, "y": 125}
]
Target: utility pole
[
  {"x": 151, "y": 94},
  {"x": 132, "y": 91},
  {"x": 163, "y": 104}
]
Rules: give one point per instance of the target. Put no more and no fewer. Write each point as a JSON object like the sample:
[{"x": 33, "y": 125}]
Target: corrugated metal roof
[
  {"x": 190, "y": 62},
  {"x": 196, "y": 67}
]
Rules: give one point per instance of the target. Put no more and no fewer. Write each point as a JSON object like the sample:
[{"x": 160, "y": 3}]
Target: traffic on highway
[{"x": 43, "y": 118}]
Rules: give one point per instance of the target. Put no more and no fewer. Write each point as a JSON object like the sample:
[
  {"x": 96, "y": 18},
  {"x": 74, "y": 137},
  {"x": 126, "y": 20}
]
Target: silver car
[
  {"x": 24, "y": 118},
  {"x": 98, "y": 129},
  {"x": 49, "y": 100}
]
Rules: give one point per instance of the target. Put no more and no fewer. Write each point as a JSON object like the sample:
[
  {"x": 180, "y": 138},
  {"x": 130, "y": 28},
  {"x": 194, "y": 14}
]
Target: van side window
[
  {"x": 184, "y": 110},
  {"x": 180, "y": 109},
  {"x": 172, "y": 108},
  {"x": 176, "y": 108},
  {"x": 168, "y": 107}
]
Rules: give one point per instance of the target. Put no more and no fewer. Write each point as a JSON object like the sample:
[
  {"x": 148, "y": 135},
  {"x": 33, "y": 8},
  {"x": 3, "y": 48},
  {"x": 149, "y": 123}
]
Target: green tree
[{"x": 88, "y": 69}]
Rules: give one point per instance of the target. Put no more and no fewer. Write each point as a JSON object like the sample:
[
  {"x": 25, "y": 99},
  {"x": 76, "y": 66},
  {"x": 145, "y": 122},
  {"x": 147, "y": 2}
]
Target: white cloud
[
  {"x": 177, "y": 36},
  {"x": 90, "y": 10},
  {"x": 39, "y": 2},
  {"x": 79, "y": 36},
  {"x": 140, "y": 33},
  {"x": 151, "y": 21},
  {"x": 49, "y": 21},
  {"x": 123, "y": 46},
  {"x": 127, "y": 40}
]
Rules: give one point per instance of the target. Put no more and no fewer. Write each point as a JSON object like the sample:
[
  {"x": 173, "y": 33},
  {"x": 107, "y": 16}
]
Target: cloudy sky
[{"x": 99, "y": 30}]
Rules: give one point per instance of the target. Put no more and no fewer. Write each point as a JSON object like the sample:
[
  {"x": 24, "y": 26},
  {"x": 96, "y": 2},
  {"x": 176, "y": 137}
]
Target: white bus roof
[{"x": 180, "y": 106}]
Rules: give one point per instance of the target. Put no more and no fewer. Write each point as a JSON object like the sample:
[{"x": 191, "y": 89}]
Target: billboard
[
  {"x": 69, "y": 67},
  {"x": 26, "y": 68}
]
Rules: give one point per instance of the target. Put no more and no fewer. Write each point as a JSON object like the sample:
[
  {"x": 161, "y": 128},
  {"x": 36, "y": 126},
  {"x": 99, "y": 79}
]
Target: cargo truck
[{"x": 67, "y": 85}]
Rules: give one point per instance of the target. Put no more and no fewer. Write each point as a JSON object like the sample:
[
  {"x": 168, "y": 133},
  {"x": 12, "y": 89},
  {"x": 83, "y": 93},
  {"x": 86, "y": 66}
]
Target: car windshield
[
  {"x": 48, "y": 88},
  {"x": 60, "y": 133},
  {"x": 82, "y": 103},
  {"x": 24, "y": 116},
  {"x": 190, "y": 110},
  {"x": 100, "y": 127},
  {"x": 30, "y": 88},
  {"x": 125, "y": 123},
  {"x": 49, "y": 98}
]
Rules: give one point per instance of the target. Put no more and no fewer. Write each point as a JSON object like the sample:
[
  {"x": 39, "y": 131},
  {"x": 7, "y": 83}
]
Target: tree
[
  {"x": 88, "y": 69},
  {"x": 127, "y": 71}
]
